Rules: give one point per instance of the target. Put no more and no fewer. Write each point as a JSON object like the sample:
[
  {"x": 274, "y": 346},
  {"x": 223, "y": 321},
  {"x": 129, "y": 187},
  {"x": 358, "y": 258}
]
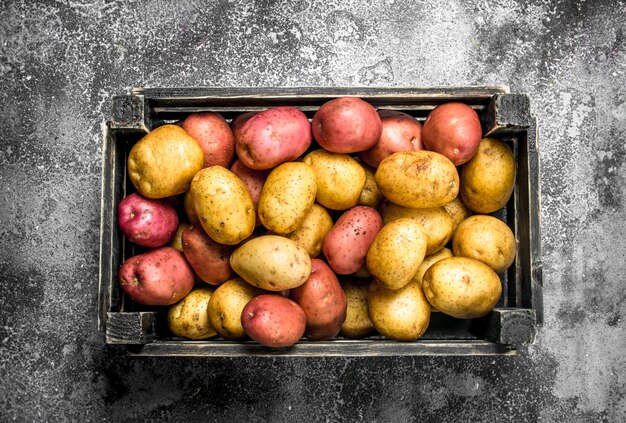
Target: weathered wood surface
[{"x": 131, "y": 327}]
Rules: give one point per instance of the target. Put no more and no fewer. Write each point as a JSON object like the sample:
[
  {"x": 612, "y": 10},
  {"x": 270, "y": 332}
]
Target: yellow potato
[
  {"x": 223, "y": 205},
  {"x": 487, "y": 239},
  {"x": 462, "y": 287},
  {"x": 401, "y": 314},
  {"x": 287, "y": 197},
  {"x": 371, "y": 195},
  {"x": 488, "y": 179},
  {"x": 313, "y": 230},
  {"x": 226, "y": 305},
  {"x": 397, "y": 252},
  {"x": 188, "y": 318},
  {"x": 340, "y": 179},
  {"x": 418, "y": 179},
  {"x": 272, "y": 262},
  {"x": 190, "y": 209},
  {"x": 357, "y": 323},
  {"x": 458, "y": 211},
  {"x": 436, "y": 221},
  {"x": 163, "y": 162},
  {"x": 177, "y": 242},
  {"x": 429, "y": 261}
]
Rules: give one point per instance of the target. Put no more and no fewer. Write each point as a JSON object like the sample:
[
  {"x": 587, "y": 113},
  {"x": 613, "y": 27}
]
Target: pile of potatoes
[{"x": 276, "y": 228}]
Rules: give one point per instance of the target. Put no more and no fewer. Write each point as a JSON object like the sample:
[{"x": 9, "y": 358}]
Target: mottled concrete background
[{"x": 61, "y": 62}]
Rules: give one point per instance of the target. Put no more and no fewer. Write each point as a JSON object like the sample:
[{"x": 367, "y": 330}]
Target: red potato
[
  {"x": 323, "y": 301},
  {"x": 272, "y": 137},
  {"x": 147, "y": 222},
  {"x": 346, "y": 125},
  {"x": 253, "y": 180},
  {"x": 345, "y": 246},
  {"x": 158, "y": 277},
  {"x": 209, "y": 259},
  {"x": 453, "y": 129},
  {"x": 273, "y": 320},
  {"x": 239, "y": 120},
  {"x": 213, "y": 135},
  {"x": 401, "y": 132}
]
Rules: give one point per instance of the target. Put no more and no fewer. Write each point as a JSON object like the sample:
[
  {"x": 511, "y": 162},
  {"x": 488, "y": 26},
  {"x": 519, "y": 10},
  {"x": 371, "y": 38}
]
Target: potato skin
[
  {"x": 402, "y": 314},
  {"x": 272, "y": 262},
  {"x": 418, "y": 179},
  {"x": 223, "y": 205},
  {"x": 340, "y": 179},
  {"x": 313, "y": 230},
  {"x": 177, "y": 240},
  {"x": 226, "y": 306},
  {"x": 272, "y": 137},
  {"x": 357, "y": 323},
  {"x": 158, "y": 277},
  {"x": 429, "y": 260},
  {"x": 253, "y": 180},
  {"x": 436, "y": 221},
  {"x": 213, "y": 135},
  {"x": 323, "y": 301},
  {"x": 462, "y": 287},
  {"x": 164, "y": 161},
  {"x": 454, "y": 130},
  {"x": 370, "y": 195},
  {"x": 190, "y": 209},
  {"x": 458, "y": 211},
  {"x": 487, "y": 239},
  {"x": 287, "y": 197},
  {"x": 346, "y": 125},
  {"x": 346, "y": 244},
  {"x": 397, "y": 252},
  {"x": 210, "y": 260},
  {"x": 488, "y": 179},
  {"x": 188, "y": 318},
  {"x": 400, "y": 132},
  {"x": 273, "y": 320},
  {"x": 147, "y": 222}
]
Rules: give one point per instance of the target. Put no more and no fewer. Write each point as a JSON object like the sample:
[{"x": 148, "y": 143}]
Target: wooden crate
[{"x": 503, "y": 115}]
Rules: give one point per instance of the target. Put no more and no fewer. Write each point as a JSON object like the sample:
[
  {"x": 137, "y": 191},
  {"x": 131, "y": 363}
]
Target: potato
[
  {"x": 346, "y": 125},
  {"x": 402, "y": 314},
  {"x": 272, "y": 137},
  {"x": 223, "y": 205},
  {"x": 357, "y": 323},
  {"x": 239, "y": 120},
  {"x": 313, "y": 230},
  {"x": 340, "y": 179},
  {"x": 418, "y": 179},
  {"x": 287, "y": 197},
  {"x": 147, "y": 222},
  {"x": 226, "y": 305},
  {"x": 158, "y": 277},
  {"x": 400, "y": 132},
  {"x": 323, "y": 301},
  {"x": 210, "y": 260},
  {"x": 429, "y": 260},
  {"x": 347, "y": 243},
  {"x": 397, "y": 252},
  {"x": 177, "y": 242},
  {"x": 436, "y": 222},
  {"x": 487, "y": 181},
  {"x": 188, "y": 318},
  {"x": 458, "y": 211},
  {"x": 453, "y": 129},
  {"x": 272, "y": 262},
  {"x": 253, "y": 180},
  {"x": 487, "y": 239},
  {"x": 462, "y": 287},
  {"x": 273, "y": 320},
  {"x": 164, "y": 161},
  {"x": 190, "y": 209},
  {"x": 213, "y": 135},
  {"x": 370, "y": 195}
]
